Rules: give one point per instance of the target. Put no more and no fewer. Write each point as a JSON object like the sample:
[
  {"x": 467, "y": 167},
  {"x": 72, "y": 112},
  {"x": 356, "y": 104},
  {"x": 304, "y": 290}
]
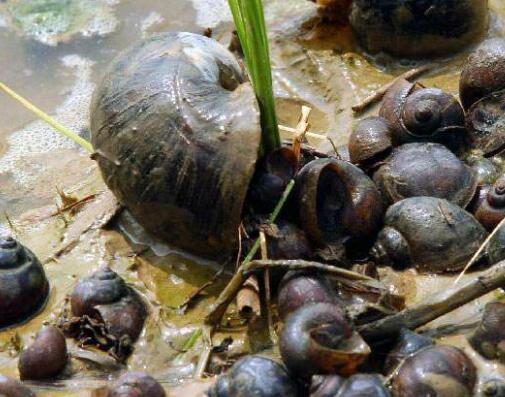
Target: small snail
[
  {"x": 255, "y": 376},
  {"x": 318, "y": 339},
  {"x": 336, "y": 200},
  {"x": 176, "y": 130},
  {"x": 45, "y": 357},
  {"x": 493, "y": 388},
  {"x": 408, "y": 344},
  {"x": 370, "y": 141},
  {"x": 419, "y": 114},
  {"x": 429, "y": 233},
  {"x": 136, "y": 384},
  {"x": 489, "y": 337},
  {"x": 105, "y": 297},
  {"x": 12, "y": 388},
  {"x": 436, "y": 371},
  {"x": 487, "y": 170},
  {"x": 482, "y": 86},
  {"x": 426, "y": 169},
  {"x": 490, "y": 209},
  {"x": 23, "y": 285},
  {"x": 325, "y": 385},
  {"x": 416, "y": 28},
  {"x": 299, "y": 288}
]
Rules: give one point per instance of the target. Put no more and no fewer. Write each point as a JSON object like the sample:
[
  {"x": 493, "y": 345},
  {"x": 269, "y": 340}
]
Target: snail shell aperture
[
  {"x": 426, "y": 169},
  {"x": 416, "y": 28},
  {"x": 23, "y": 284},
  {"x": 431, "y": 234},
  {"x": 176, "y": 131},
  {"x": 255, "y": 376}
]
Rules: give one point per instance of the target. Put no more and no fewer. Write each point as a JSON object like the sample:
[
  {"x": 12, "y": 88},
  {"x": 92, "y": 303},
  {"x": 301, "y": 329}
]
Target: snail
[
  {"x": 337, "y": 201},
  {"x": 496, "y": 247},
  {"x": 489, "y": 337},
  {"x": 487, "y": 169},
  {"x": 360, "y": 385},
  {"x": 413, "y": 28},
  {"x": 419, "y": 114},
  {"x": 325, "y": 385},
  {"x": 45, "y": 357},
  {"x": 370, "y": 142},
  {"x": 318, "y": 339},
  {"x": 136, "y": 384},
  {"x": 408, "y": 343},
  {"x": 490, "y": 208},
  {"x": 429, "y": 233},
  {"x": 493, "y": 388},
  {"x": 299, "y": 288},
  {"x": 12, "y": 388},
  {"x": 482, "y": 91},
  {"x": 255, "y": 376},
  {"x": 104, "y": 298},
  {"x": 436, "y": 371},
  {"x": 426, "y": 169},
  {"x": 23, "y": 284},
  {"x": 176, "y": 132}
]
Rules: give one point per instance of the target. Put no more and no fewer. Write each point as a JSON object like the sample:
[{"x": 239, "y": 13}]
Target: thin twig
[
  {"x": 268, "y": 293},
  {"x": 301, "y": 130},
  {"x": 439, "y": 305},
  {"x": 191, "y": 297},
  {"x": 479, "y": 251},
  {"x": 379, "y": 94}
]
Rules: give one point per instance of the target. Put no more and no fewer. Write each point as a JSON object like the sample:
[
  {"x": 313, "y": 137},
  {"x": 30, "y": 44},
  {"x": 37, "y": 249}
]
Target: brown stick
[
  {"x": 443, "y": 303},
  {"x": 379, "y": 94},
  {"x": 191, "y": 297}
]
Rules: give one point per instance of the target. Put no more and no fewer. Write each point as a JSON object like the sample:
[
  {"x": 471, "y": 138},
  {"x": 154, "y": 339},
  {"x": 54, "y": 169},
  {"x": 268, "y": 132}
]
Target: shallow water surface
[{"x": 58, "y": 71}]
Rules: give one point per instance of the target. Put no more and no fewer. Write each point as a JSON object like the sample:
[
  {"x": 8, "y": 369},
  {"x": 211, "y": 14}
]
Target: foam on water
[
  {"x": 209, "y": 13},
  {"x": 38, "y": 138}
]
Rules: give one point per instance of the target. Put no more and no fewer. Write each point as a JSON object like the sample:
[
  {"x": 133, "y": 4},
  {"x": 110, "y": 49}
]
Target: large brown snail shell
[
  {"x": 255, "y": 376},
  {"x": 318, "y": 339},
  {"x": 45, "y": 357},
  {"x": 483, "y": 73},
  {"x": 418, "y": 114},
  {"x": 416, "y": 28},
  {"x": 429, "y": 233},
  {"x": 176, "y": 131},
  {"x": 489, "y": 337},
  {"x": 491, "y": 208},
  {"x": 370, "y": 141},
  {"x": 23, "y": 284},
  {"x": 426, "y": 169},
  {"x": 12, "y": 388},
  {"x": 136, "y": 384},
  {"x": 336, "y": 200},
  {"x": 105, "y": 296},
  {"x": 436, "y": 371}
]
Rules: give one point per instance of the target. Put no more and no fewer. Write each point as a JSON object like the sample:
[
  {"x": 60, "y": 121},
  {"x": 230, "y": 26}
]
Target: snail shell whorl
[
  {"x": 177, "y": 132},
  {"x": 23, "y": 284}
]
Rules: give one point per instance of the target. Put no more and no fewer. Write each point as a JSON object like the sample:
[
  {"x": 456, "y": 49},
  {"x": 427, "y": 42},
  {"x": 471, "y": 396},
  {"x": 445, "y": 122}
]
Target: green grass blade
[{"x": 249, "y": 19}]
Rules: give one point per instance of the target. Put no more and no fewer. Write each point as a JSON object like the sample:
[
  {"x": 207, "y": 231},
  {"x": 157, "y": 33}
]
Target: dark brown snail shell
[
  {"x": 364, "y": 385},
  {"x": 493, "y": 388},
  {"x": 489, "y": 337},
  {"x": 136, "y": 384},
  {"x": 370, "y": 141},
  {"x": 408, "y": 343},
  {"x": 496, "y": 247},
  {"x": 255, "y": 376},
  {"x": 414, "y": 28},
  {"x": 272, "y": 175},
  {"x": 435, "y": 371},
  {"x": 418, "y": 114},
  {"x": 325, "y": 385},
  {"x": 336, "y": 200},
  {"x": 105, "y": 296},
  {"x": 429, "y": 233},
  {"x": 45, "y": 357},
  {"x": 318, "y": 339},
  {"x": 426, "y": 169},
  {"x": 486, "y": 170},
  {"x": 288, "y": 242},
  {"x": 483, "y": 73},
  {"x": 491, "y": 209},
  {"x": 23, "y": 284},
  {"x": 176, "y": 131},
  {"x": 299, "y": 288},
  {"x": 12, "y": 388}
]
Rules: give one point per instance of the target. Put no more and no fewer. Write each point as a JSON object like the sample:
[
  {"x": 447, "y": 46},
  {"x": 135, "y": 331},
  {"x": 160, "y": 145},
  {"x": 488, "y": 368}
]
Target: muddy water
[{"x": 58, "y": 67}]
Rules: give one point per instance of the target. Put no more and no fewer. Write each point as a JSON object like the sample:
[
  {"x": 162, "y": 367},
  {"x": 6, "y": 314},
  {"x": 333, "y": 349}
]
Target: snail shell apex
[
  {"x": 177, "y": 133},
  {"x": 23, "y": 284}
]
